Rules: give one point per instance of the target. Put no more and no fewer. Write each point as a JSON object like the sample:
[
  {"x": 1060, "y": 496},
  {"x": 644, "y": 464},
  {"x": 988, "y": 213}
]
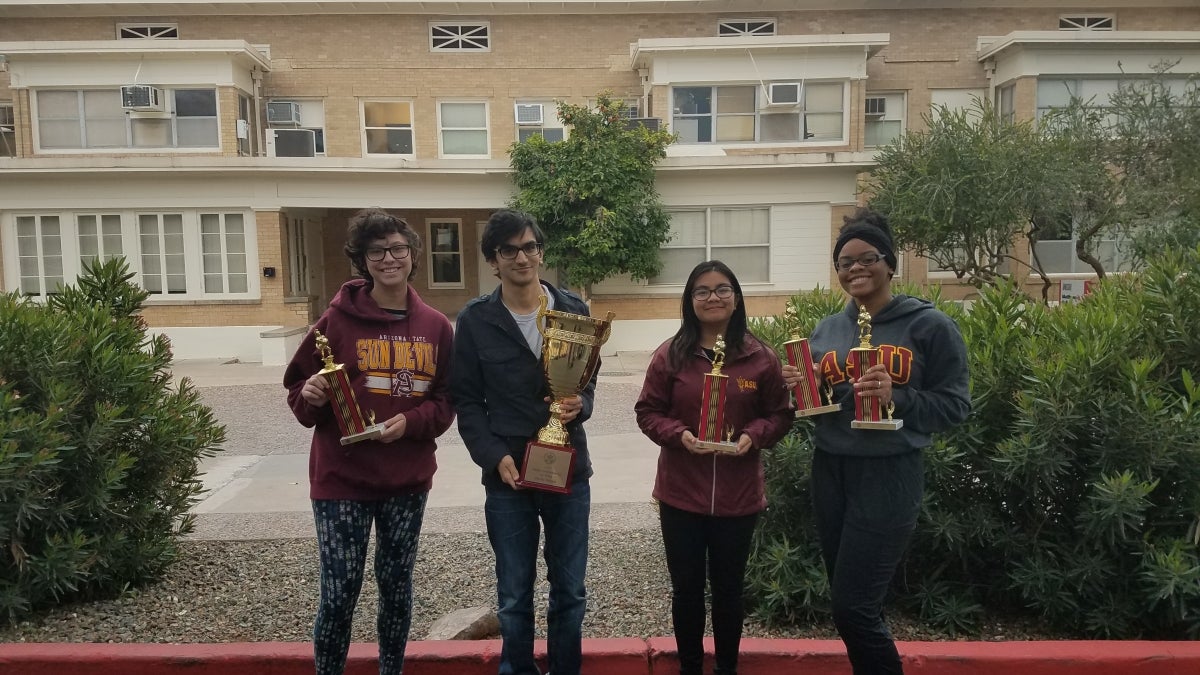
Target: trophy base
[
  {"x": 819, "y": 410},
  {"x": 370, "y": 433},
  {"x": 881, "y": 425},
  {"x": 547, "y": 467},
  {"x": 718, "y": 446}
]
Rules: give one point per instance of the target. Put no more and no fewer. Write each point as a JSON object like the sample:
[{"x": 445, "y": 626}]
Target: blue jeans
[{"x": 514, "y": 519}]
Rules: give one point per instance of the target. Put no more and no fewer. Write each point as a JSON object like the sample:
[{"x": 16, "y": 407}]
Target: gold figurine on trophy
[
  {"x": 354, "y": 426},
  {"x": 811, "y": 397},
  {"x": 869, "y": 410},
  {"x": 714, "y": 434}
]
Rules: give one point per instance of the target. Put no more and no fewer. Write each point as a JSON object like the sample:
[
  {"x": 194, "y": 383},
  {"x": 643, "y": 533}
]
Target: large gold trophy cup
[{"x": 570, "y": 356}]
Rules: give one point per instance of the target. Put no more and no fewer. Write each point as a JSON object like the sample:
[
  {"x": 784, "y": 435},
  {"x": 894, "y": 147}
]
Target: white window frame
[
  {"x": 227, "y": 260},
  {"x": 432, "y": 253},
  {"x": 711, "y": 251},
  {"x": 148, "y": 31},
  {"x": 1077, "y": 22},
  {"x": 311, "y": 109},
  {"x": 485, "y": 129},
  {"x": 1006, "y": 102},
  {"x": 362, "y": 111},
  {"x": 550, "y": 120},
  {"x": 761, "y": 109},
  {"x": 8, "y": 129},
  {"x": 464, "y": 37},
  {"x": 894, "y": 113},
  {"x": 70, "y": 251},
  {"x": 744, "y": 27},
  {"x": 169, "y": 114}
]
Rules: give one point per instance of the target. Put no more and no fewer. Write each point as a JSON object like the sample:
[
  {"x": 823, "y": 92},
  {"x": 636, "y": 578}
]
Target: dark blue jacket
[{"x": 498, "y": 386}]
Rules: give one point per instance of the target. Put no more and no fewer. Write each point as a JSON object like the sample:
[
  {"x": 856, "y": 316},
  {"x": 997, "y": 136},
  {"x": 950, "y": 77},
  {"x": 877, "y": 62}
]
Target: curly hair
[{"x": 374, "y": 223}]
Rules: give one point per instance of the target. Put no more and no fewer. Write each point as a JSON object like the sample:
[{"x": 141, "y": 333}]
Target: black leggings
[
  {"x": 691, "y": 540},
  {"x": 866, "y": 509}
]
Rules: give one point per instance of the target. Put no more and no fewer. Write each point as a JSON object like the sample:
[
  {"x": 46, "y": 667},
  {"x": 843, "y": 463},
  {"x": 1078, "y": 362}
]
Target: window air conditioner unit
[
  {"x": 529, "y": 113},
  {"x": 651, "y": 123},
  {"x": 283, "y": 113},
  {"x": 785, "y": 93},
  {"x": 876, "y": 107},
  {"x": 292, "y": 142},
  {"x": 141, "y": 97}
]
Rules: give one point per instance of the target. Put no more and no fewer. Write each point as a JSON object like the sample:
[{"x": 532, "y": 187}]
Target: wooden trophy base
[
  {"x": 369, "y": 434},
  {"x": 819, "y": 410},
  {"x": 880, "y": 425},
  {"x": 725, "y": 448},
  {"x": 547, "y": 467}
]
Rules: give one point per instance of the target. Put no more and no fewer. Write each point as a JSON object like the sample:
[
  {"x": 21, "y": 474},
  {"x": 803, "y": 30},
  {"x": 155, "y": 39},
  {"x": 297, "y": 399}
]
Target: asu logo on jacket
[
  {"x": 397, "y": 366},
  {"x": 897, "y": 359}
]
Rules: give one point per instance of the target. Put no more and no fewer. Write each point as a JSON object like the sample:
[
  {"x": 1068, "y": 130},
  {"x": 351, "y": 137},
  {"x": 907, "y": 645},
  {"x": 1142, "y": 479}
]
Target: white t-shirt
[{"x": 528, "y": 325}]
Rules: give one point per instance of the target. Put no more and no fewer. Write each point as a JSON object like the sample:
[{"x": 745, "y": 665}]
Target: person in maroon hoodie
[
  {"x": 709, "y": 502},
  {"x": 396, "y": 351}
]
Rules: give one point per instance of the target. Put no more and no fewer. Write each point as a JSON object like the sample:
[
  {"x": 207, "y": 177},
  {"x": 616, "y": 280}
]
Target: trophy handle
[{"x": 542, "y": 312}]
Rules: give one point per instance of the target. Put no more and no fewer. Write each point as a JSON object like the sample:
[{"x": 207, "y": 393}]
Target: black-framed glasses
[
  {"x": 509, "y": 252},
  {"x": 866, "y": 260},
  {"x": 398, "y": 251},
  {"x": 723, "y": 292}
]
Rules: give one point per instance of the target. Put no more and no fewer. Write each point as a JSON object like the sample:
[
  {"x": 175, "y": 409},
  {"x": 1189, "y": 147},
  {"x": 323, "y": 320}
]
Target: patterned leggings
[{"x": 343, "y": 530}]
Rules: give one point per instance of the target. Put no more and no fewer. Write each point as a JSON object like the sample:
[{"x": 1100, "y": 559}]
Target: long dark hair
[{"x": 683, "y": 345}]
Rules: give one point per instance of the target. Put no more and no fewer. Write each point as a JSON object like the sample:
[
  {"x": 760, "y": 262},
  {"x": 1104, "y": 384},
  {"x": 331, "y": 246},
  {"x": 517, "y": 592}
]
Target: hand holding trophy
[
  {"x": 714, "y": 434},
  {"x": 811, "y": 397},
  {"x": 349, "y": 416},
  {"x": 570, "y": 355},
  {"x": 869, "y": 410}
]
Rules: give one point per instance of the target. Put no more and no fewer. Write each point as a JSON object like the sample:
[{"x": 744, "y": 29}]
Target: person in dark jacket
[
  {"x": 501, "y": 397},
  {"x": 396, "y": 351},
  {"x": 867, "y": 485},
  {"x": 709, "y": 502}
]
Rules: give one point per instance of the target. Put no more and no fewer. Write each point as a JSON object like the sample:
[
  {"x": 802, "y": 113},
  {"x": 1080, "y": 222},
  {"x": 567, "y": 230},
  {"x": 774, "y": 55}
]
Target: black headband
[{"x": 870, "y": 234}]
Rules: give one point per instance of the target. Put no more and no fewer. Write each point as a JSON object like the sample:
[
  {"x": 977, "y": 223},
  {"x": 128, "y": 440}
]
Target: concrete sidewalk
[{"x": 258, "y": 487}]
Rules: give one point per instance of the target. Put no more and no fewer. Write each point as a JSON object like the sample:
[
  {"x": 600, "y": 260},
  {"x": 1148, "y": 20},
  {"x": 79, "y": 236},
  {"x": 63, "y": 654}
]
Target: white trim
[
  {"x": 362, "y": 125},
  {"x": 430, "y": 252},
  {"x": 486, "y": 129},
  {"x": 484, "y": 39}
]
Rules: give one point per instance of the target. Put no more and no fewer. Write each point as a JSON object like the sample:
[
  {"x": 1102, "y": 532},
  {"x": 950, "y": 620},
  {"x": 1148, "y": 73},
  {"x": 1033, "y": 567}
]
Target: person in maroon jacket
[
  {"x": 396, "y": 351},
  {"x": 709, "y": 502}
]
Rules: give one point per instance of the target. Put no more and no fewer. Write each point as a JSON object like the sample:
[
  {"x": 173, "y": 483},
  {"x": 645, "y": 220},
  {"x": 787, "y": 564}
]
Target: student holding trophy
[
  {"x": 380, "y": 347},
  {"x": 505, "y": 349},
  {"x": 888, "y": 358},
  {"x": 715, "y": 375}
]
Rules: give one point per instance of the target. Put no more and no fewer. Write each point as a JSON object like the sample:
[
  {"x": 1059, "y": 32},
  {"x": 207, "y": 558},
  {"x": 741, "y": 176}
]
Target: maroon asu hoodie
[{"x": 396, "y": 365}]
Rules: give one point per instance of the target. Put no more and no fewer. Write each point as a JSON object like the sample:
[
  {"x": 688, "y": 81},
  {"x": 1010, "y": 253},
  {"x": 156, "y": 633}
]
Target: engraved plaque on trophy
[
  {"x": 869, "y": 411},
  {"x": 811, "y": 397},
  {"x": 354, "y": 425},
  {"x": 570, "y": 356},
  {"x": 713, "y": 433}
]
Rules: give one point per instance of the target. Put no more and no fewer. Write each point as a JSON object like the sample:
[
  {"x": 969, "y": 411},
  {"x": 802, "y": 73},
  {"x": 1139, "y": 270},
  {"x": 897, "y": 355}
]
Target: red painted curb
[{"x": 622, "y": 656}]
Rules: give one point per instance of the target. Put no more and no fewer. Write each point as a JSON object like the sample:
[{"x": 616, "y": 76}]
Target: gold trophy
[
  {"x": 355, "y": 427},
  {"x": 570, "y": 356},
  {"x": 714, "y": 434},
  {"x": 811, "y": 397},
  {"x": 869, "y": 410}
]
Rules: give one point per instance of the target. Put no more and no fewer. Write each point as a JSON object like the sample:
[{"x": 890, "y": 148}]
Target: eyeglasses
[
  {"x": 398, "y": 251},
  {"x": 722, "y": 292},
  {"x": 866, "y": 260},
  {"x": 509, "y": 252}
]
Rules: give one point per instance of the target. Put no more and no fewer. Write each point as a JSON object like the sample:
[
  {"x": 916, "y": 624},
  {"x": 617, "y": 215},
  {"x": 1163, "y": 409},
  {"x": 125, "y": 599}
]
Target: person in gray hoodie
[{"x": 867, "y": 484}]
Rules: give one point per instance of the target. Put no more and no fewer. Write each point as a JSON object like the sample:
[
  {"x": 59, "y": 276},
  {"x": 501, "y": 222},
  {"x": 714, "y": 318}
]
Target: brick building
[{"x": 221, "y": 146}]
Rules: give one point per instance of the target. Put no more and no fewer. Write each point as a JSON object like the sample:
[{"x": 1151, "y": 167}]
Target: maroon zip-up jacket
[{"x": 757, "y": 404}]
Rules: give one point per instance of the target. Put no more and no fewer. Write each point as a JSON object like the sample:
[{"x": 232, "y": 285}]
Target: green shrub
[
  {"x": 1073, "y": 490},
  {"x": 99, "y": 453}
]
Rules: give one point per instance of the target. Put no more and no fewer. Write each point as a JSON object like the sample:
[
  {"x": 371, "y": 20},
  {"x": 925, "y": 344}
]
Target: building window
[
  {"x": 160, "y": 31},
  {"x": 297, "y": 257},
  {"x": 740, "y": 237},
  {"x": 1005, "y": 100},
  {"x": 293, "y": 117},
  {"x": 735, "y": 114},
  {"x": 388, "y": 127},
  {"x": 94, "y": 119},
  {"x": 462, "y": 128},
  {"x": 884, "y": 118},
  {"x": 538, "y": 118},
  {"x": 739, "y": 27},
  {"x": 460, "y": 37},
  {"x": 445, "y": 254},
  {"x": 177, "y": 255},
  {"x": 1055, "y": 251},
  {"x": 8, "y": 131},
  {"x": 223, "y": 252},
  {"x": 1088, "y": 22}
]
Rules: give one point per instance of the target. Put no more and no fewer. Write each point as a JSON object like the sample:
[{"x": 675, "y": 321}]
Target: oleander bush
[
  {"x": 99, "y": 450},
  {"x": 1072, "y": 492}
]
